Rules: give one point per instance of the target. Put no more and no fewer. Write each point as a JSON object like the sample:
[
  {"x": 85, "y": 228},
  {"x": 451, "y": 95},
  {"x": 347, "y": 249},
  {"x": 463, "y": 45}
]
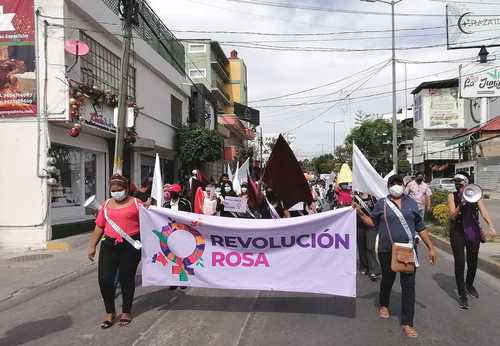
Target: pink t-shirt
[
  {"x": 127, "y": 218},
  {"x": 418, "y": 192}
]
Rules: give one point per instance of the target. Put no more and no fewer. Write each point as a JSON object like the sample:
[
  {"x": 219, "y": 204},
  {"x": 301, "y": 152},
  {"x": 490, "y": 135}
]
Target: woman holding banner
[
  {"x": 116, "y": 255},
  {"x": 397, "y": 220}
]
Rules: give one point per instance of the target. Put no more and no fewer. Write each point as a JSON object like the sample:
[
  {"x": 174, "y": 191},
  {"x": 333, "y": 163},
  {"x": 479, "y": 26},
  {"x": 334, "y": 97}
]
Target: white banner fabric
[
  {"x": 365, "y": 178},
  {"x": 314, "y": 253}
]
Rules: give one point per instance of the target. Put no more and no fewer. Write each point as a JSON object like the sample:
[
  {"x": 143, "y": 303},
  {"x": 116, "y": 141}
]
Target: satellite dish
[{"x": 76, "y": 47}]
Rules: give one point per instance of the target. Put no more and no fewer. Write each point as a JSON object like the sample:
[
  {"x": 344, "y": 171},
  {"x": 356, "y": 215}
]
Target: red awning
[{"x": 492, "y": 125}]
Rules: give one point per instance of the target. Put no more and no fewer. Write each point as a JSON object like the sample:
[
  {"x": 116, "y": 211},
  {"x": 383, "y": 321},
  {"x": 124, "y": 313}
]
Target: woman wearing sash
[
  {"x": 397, "y": 220},
  {"x": 117, "y": 254},
  {"x": 465, "y": 234}
]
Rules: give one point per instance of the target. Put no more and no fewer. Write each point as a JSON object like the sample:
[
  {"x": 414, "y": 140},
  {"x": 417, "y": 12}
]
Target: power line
[
  {"x": 323, "y": 85},
  {"x": 257, "y": 33},
  {"x": 334, "y": 10},
  {"x": 331, "y": 107}
]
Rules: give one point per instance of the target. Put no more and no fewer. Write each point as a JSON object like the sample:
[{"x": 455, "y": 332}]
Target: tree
[
  {"x": 197, "y": 145},
  {"x": 245, "y": 153},
  {"x": 361, "y": 116},
  {"x": 323, "y": 164},
  {"x": 374, "y": 139}
]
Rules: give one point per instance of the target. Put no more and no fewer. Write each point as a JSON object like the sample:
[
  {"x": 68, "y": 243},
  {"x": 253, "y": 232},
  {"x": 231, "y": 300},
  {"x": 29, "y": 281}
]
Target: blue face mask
[{"x": 119, "y": 195}]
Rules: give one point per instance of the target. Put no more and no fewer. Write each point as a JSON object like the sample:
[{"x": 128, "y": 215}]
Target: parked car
[{"x": 446, "y": 184}]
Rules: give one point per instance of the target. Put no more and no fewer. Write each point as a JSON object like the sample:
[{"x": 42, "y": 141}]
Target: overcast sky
[{"x": 274, "y": 73}]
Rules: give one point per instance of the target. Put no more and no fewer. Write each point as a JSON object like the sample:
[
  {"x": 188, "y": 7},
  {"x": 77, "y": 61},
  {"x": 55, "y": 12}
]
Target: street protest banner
[
  {"x": 235, "y": 204},
  {"x": 17, "y": 59},
  {"x": 315, "y": 253}
]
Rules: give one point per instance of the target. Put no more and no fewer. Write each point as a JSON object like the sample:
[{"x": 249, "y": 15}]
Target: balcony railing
[{"x": 152, "y": 30}]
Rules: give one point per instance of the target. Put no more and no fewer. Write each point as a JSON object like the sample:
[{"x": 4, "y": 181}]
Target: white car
[{"x": 446, "y": 184}]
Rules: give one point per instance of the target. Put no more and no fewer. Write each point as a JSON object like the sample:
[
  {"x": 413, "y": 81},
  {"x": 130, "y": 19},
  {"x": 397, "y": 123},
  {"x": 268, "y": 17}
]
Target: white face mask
[
  {"x": 227, "y": 189},
  {"x": 396, "y": 191},
  {"x": 244, "y": 189},
  {"x": 119, "y": 195}
]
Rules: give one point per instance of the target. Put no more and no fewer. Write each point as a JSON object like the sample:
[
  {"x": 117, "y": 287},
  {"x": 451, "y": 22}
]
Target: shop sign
[
  {"x": 472, "y": 25},
  {"x": 99, "y": 116},
  {"x": 483, "y": 83},
  {"x": 17, "y": 59}
]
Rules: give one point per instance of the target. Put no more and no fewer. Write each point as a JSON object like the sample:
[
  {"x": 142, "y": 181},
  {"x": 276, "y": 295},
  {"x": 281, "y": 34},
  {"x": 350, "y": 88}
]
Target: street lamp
[
  {"x": 394, "y": 106},
  {"x": 334, "y": 123}
]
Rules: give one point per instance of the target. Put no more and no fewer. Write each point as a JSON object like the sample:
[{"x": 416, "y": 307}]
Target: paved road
[{"x": 69, "y": 313}]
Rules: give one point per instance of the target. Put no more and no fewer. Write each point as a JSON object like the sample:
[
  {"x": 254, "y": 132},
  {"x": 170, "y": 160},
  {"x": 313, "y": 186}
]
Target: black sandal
[
  {"x": 106, "y": 324},
  {"x": 124, "y": 322}
]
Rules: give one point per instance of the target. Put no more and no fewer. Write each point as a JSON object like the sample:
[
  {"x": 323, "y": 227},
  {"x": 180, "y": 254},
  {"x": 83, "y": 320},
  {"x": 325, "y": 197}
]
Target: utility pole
[
  {"x": 334, "y": 123},
  {"x": 483, "y": 59},
  {"x": 261, "y": 151},
  {"x": 129, "y": 10},
  {"x": 394, "y": 105}
]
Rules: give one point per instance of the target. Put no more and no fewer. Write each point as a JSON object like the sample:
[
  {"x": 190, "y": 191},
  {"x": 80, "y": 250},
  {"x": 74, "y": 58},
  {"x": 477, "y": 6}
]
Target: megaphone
[
  {"x": 472, "y": 193},
  {"x": 92, "y": 204}
]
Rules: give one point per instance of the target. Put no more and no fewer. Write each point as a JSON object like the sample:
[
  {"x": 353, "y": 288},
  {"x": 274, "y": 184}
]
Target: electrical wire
[
  {"x": 335, "y": 103},
  {"x": 257, "y": 33},
  {"x": 334, "y": 10}
]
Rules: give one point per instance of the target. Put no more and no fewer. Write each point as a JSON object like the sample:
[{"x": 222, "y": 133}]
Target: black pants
[
  {"x": 124, "y": 259},
  {"x": 407, "y": 289},
  {"x": 459, "y": 244},
  {"x": 366, "y": 249}
]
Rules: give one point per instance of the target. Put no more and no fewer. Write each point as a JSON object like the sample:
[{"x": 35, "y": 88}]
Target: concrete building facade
[{"x": 74, "y": 122}]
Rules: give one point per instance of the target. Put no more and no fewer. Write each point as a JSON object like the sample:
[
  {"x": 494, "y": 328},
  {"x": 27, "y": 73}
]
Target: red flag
[
  {"x": 285, "y": 177},
  {"x": 255, "y": 196},
  {"x": 199, "y": 198}
]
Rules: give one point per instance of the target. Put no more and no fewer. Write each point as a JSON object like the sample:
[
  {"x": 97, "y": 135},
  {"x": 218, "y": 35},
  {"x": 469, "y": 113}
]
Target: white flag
[
  {"x": 244, "y": 172},
  {"x": 390, "y": 174},
  {"x": 365, "y": 178},
  {"x": 236, "y": 181},
  {"x": 229, "y": 172},
  {"x": 157, "y": 187}
]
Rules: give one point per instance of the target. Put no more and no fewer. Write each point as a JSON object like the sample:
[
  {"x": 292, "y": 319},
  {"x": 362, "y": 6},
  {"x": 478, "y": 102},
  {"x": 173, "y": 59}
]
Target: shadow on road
[
  {"x": 322, "y": 305},
  {"x": 446, "y": 283},
  {"x": 34, "y": 330}
]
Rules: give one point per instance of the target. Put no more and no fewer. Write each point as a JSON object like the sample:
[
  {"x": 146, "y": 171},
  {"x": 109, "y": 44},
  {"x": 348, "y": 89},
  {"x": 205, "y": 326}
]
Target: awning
[{"x": 458, "y": 140}]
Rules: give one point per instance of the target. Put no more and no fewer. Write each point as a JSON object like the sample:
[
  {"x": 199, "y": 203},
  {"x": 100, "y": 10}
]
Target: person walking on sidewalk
[
  {"x": 421, "y": 193},
  {"x": 397, "y": 220},
  {"x": 465, "y": 234},
  {"x": 115, "y": 254}
]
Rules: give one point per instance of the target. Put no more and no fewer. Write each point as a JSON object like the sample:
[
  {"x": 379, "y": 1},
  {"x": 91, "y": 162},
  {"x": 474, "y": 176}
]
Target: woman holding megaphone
[{"x": 465, "y": 233}]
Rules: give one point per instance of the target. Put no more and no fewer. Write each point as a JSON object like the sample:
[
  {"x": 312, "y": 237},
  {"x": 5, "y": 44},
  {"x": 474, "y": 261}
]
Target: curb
[
  {"x": 489, "y": 266},
  {"x": 68, "y": 243}
]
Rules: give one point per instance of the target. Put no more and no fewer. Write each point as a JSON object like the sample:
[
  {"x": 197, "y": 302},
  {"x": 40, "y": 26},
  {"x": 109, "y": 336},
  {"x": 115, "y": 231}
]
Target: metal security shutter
[{"x": 488, "y": 175}]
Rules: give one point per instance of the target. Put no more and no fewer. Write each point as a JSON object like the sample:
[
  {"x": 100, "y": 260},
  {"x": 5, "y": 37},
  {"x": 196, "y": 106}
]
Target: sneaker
[
  {"x": 363, "y": 271},
  {"x": 373, "y": 277},
  {"x": 472, "y": 291},
  {"x": 463, "y": 303}
]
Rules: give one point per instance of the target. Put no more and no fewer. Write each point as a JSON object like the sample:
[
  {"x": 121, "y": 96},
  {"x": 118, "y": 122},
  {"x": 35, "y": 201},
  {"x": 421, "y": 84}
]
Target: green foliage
[
  {"x": 306, "y": 165},
  {"x": 441, "y": 215},
  {"x": 245, "y": 153},
  {"x": 323, "y": 164},
  {"x": 196, "y": 145},
  {"x": 439, "y": 197},
  {"x": 374, "y": 139}
]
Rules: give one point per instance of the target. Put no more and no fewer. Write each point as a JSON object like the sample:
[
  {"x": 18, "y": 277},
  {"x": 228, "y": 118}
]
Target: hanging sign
[{"x": 17, "y": 59}]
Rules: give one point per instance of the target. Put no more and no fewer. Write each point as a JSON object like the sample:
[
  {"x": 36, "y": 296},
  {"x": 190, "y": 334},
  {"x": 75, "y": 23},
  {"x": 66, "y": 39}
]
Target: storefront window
[{"x": 76, "y": 176}]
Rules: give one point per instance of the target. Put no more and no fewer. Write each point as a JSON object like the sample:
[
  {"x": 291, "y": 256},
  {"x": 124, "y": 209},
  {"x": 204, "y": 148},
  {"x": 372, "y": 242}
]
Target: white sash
[
  {"x": 403, "y": 222},
  {"x": 135, "y": 243}
]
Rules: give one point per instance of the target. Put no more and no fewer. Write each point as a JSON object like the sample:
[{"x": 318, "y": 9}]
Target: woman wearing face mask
[
  {"x": 116, "y": 254},
  {"x": 227, "y": 190},
  {"x": 465, "y": 233},
  {"x": 393, "y": 231}
]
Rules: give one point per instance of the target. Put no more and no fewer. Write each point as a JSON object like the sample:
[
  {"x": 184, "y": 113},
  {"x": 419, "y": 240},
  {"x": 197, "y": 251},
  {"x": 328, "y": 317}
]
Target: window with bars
[
  {"x": 101, "y": 68},
  {"x": 176, "y": 110}
]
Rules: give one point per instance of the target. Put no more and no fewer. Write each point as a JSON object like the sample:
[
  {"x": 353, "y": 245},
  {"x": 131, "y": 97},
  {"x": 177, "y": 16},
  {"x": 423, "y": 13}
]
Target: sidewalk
[{"x": 32, "y": 272}]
